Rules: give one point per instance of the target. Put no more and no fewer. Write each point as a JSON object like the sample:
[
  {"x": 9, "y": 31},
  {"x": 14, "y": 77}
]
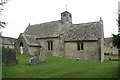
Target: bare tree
[{"x": 2, "y": 23}]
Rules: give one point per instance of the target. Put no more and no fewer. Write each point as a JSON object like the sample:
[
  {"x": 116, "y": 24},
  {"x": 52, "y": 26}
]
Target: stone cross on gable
[{"x": 42, "y": 55}]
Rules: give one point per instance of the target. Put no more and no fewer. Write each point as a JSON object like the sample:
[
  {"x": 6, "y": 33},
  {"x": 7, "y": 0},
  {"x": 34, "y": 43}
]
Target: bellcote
[{"x": 66, "y": 17}]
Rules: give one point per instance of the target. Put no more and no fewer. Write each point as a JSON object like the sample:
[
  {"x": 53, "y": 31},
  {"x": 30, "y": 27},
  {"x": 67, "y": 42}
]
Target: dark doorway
[
  {"x": 21, "y": 44},
  {"x": 21, "y": 48}
]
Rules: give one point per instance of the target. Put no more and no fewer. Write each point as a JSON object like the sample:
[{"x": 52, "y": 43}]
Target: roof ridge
[
  {"x": 107, "y": 37},
  {"x": 8, "y": 37},
  {"x": 87, "y": 23},
  {"x": 25, "y": 38},
  {"x": 45, "y": 23}
]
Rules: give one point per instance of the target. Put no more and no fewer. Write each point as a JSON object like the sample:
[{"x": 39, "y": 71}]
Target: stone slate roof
[
  {"x": 31, "y": 40},
  {"x": 8, "y": 41},
  {"x": 84, "y": 31},
  {"x": 72, "y": 32},
  {"x": 50, "y": 29},
  {"x": 107, "y": 41}
]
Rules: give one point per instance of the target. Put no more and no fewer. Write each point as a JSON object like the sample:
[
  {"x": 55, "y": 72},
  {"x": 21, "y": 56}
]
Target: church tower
[{"x": 66, "y": 17}]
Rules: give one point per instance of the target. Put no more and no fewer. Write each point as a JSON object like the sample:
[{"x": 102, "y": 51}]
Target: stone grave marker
[
  {"x": 42, "y": 55},
  {"x": 33, "y": 60}
]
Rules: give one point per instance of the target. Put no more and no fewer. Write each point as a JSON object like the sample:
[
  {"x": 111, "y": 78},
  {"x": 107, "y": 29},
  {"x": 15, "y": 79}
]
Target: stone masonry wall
[
  {"x": 33, "y": 50},
  {"x": 89, "y": 53},
  {"x": 44, "y": 43},
  {"x": 112, "y": 50},
  {"x": 17, "y": 44}
]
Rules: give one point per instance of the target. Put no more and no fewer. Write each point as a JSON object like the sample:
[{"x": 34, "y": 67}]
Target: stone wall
[
  {"x": 101, "y": 42},
  {"x": 17, "y": 44},
  {"x": 61, "y": 46},
  {"x": 44, "y": 43},
  {"x": 33, "y": 50},
  {"x": 101, "y": 49},
  {"x": 111, "y": 50},
  {"x": 89, "y": 53},
  {"x": 91, "y": 50}
]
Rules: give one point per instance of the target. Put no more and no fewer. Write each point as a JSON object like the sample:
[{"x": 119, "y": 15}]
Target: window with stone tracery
[
  {"x": 50, "y": 45},
  {"x": 80, "y": 46}
]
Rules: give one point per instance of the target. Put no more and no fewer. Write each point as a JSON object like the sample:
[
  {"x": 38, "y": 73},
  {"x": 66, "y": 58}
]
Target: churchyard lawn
[{"x": 58, "y": 67}]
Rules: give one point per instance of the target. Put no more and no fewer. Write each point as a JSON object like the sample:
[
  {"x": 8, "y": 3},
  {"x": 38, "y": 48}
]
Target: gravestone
[
  {"x": 33, "y": 60},
  {"x": 42, "y": 55},
  {"x": 8, "y": 56}
]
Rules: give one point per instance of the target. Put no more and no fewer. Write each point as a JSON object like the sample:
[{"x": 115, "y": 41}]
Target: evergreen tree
[{"x": 116, "y": 38}]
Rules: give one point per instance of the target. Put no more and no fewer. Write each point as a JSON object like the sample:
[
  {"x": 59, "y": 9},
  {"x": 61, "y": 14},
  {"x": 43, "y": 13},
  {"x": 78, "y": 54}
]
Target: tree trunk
[
  {"x": 118, "y": 62},
  {"x": 119, "y": 52}
]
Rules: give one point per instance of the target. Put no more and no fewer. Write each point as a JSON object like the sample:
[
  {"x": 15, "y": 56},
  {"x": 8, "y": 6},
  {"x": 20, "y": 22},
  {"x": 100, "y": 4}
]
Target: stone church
[{"x": 64, "y": 39}]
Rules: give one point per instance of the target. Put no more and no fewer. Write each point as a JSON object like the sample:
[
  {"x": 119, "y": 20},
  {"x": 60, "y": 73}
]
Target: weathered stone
[
  {"x": 64, "y": 36},
  {"x": 8, "y": 42},
  {"x": 42, "y": 55},
  {"x": 29, "y": 43},
  {"x": 109, "y": 48},
  {"x": 28, "y": 53},
  {"x": 33, "y": 60},
  {"x": 8, "y": 56}
]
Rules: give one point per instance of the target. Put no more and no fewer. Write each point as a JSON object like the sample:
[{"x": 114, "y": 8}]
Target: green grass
[{"x": 57, "y": 67}]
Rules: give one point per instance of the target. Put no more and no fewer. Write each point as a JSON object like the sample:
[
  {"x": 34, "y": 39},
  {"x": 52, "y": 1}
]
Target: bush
[{"x": 8, "y": 56}]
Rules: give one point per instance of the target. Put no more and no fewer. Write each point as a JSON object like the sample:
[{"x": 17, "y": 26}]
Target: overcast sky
[{"x": 19, "y": 13}]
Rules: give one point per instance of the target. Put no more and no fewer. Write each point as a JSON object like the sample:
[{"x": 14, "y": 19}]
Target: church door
[{"x": 21, "y": 48}]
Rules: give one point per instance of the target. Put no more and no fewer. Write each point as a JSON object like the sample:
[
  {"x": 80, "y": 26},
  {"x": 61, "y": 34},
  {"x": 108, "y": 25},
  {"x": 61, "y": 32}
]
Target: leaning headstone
[
  {"x": 42, "y": 55},
  {"x": 33, "y": 60}
]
